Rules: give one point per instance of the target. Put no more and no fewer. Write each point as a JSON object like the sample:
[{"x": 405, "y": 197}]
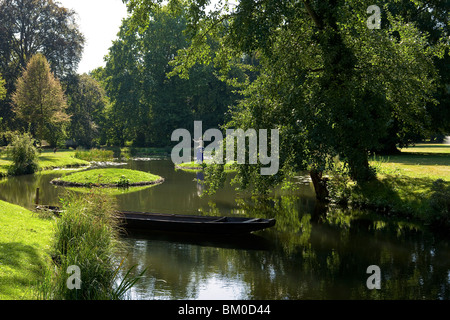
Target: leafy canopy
[
  {"x": 39, "y": 99},
  {"x": 331, "y": 85}
]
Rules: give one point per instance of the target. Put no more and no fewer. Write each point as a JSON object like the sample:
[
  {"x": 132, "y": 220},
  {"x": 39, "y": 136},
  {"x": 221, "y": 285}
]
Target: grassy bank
[
  {"x": 194, "y": 166},
  {"x": 414, "y": 184},
  {"x": 47, "y": 160},
  {"x": 25, "y": 244},
  {"x": 86, "y": 236},
  {"x": 109, "y": 177}
]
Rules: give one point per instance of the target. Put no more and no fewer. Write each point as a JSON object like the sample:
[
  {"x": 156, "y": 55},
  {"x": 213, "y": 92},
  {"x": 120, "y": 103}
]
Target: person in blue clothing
[{"x": 199, "y": 150}]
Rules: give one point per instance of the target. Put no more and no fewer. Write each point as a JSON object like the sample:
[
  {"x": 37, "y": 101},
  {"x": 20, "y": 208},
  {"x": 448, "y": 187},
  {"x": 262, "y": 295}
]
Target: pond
[{"x": 312, "y": 252}]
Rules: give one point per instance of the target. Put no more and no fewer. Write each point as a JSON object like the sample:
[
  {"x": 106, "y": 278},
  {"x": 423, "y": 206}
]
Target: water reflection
[{"x": 313, "y": 252}]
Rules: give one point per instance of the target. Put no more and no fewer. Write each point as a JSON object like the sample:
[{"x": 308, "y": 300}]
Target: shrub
[
  {"x": 23, "y": 154},
  {"x": 338, "y": 184},
  {"x": 440, "y": 203},
  {"x": 123, "y": 182}
]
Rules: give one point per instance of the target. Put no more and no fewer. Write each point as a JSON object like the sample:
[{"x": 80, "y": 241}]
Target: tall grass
[
  {"x": 87, "y": 236},
  {"x": 94, "y": 155}
]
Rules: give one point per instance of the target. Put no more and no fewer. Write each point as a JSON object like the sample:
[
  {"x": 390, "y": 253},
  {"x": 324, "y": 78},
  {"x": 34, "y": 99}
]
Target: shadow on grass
[
  {"x": 27, "y": 265},
  {"x": 400, "y": 195},
  {"x": 413, "y": 158}
]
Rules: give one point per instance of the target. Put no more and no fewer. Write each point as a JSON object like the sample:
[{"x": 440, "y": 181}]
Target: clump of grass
[
  {"x": 382, "y": 166},
  {"x": 95, "y": 155},
  {"x": 86, "y": 236}
]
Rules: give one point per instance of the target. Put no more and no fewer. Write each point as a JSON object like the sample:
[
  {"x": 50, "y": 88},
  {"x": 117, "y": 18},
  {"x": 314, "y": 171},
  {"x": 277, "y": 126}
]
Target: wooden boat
[
  {"x": 187, "y": 223},
  {"x": 194, "y": 224}
]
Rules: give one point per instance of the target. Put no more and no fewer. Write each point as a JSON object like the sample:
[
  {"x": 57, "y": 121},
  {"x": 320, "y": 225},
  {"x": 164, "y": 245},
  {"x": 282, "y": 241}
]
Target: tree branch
[{"x": 313, "y": 14}]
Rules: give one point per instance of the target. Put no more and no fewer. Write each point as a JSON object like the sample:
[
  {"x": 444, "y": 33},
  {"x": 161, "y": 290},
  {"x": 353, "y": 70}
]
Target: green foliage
[
  {"x": 40, "y": 102},
  {"x": 331, "y": 86},
  {"x": 43, "y": 26},
  {"x": 123, "y": 182},
  {"x": 440, "y": 203},
  {"x": 2, "y": 88},
  {"x": 23, "y": 154},
  {"x": 146, "y": 104},
  {"x": 29, "y": 27},
  {"x": 339, "y": 183},
  {"x": 87, "y": 102},
  {"x": 87, "y": 236}
]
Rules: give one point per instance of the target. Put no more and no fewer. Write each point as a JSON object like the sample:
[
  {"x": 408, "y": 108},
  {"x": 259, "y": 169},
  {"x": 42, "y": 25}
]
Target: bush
[
  {"x": 338, "y": 184},
  {"x": 440, "y": 203},
  {"x": 23, "y": 154}
]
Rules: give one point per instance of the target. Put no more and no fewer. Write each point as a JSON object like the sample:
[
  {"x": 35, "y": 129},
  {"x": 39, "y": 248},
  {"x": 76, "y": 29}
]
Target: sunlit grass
[
  {"x": 47, "y": 160},
  {"x": 95, "y": 155},
  {"x": 428, "y": 148},
  {"x": 25, "y": 243},
  {"x": 405, "y": 182},
  {"x": 110, "y": 176}
]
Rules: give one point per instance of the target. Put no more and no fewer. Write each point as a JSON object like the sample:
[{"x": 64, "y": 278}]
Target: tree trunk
[
  {"x": 360, "y": 170},
  {"x": 320, "y": 185}
]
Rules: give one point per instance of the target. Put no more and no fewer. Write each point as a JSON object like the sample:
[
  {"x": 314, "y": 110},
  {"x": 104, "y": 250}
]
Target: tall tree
[
  {"x": 147, "y": 104},
  {"x": 432, "y": 19},
  {"x": 32, "y": 26},
  {"x": 39, "y": 100},
  {"x": 86, "y": 101},
  {"x": 28, "y": 27}
]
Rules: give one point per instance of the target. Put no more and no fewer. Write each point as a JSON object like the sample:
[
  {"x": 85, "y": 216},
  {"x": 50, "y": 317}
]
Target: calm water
[{"x": 311, "y": 253}]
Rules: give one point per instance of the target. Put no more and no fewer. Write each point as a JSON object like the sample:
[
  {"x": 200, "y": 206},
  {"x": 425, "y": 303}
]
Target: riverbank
[
  {"x": 47, "y": 160},
  {"x": 25, "y": 245},
  {"x": 413, "y": 185}
]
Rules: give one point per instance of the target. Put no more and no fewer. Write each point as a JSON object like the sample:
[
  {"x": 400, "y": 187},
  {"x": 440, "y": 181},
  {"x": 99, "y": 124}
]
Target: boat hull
[
  {"x": 194, "y": 224},
  {"x": 185, "y": 223}
]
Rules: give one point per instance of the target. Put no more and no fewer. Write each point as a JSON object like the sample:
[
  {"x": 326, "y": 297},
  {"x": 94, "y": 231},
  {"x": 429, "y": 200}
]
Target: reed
[{"x": 86, "y": 236}]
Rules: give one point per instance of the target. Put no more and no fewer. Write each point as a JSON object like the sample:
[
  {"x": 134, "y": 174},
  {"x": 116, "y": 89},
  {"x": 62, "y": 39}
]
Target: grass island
[
  {"x": 195, "y": 166},
  {"x": 108, "y": 177}
]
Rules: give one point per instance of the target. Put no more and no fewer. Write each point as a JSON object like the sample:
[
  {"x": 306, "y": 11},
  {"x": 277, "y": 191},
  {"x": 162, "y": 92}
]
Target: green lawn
[
  {"x": 428, "y": 148},
  {"x": 405, "y": 182},
  {"x": 47, "y": 160},
  {"x": 25, "y": 242},
  {"x": 110, "y": 176},
  {"x": 432, "y": 163}
]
